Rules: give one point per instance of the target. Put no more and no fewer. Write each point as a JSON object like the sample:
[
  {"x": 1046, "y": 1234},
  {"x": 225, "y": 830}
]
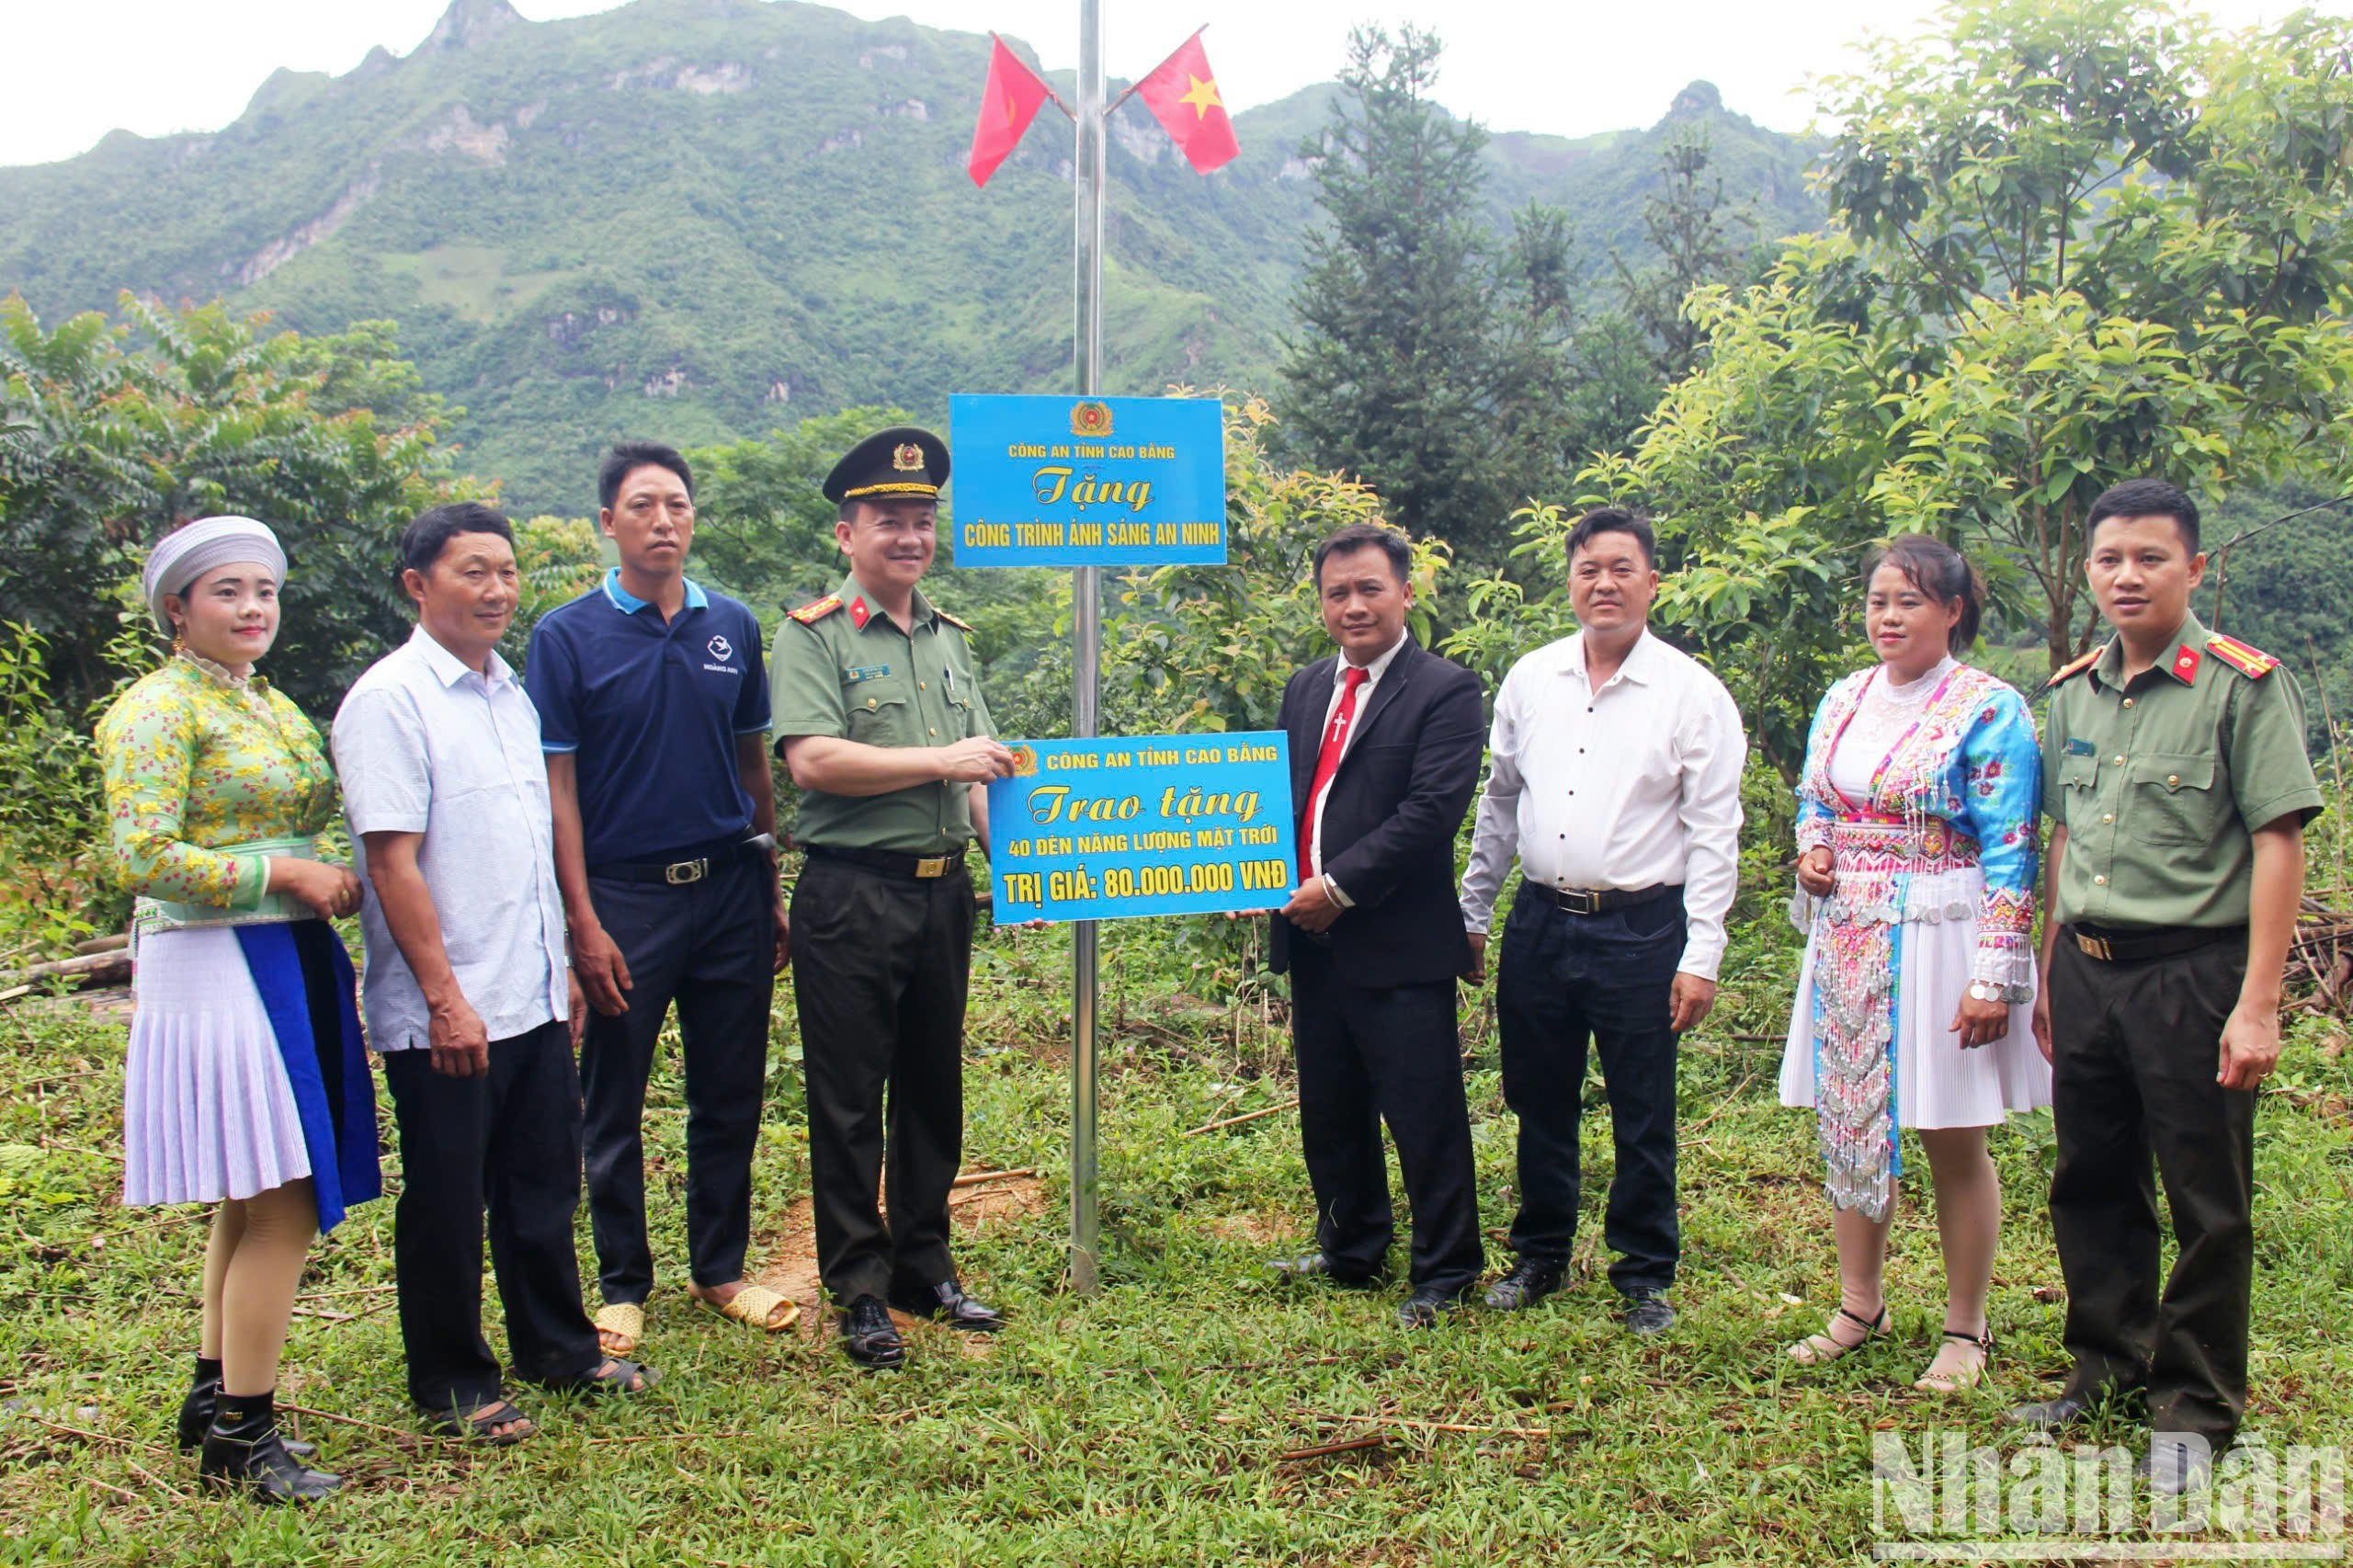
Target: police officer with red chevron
[{"x": 2175, "y": 772}]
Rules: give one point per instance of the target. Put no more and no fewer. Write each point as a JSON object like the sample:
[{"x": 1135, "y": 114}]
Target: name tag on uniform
[
  {"x": 2078, "y": 746},
  {"x": 866, "y": 672}
]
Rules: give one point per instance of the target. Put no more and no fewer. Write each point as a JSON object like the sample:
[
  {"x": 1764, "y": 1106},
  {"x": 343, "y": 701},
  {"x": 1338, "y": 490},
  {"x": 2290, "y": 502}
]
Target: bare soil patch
[{"x": 973, "y": 1208}]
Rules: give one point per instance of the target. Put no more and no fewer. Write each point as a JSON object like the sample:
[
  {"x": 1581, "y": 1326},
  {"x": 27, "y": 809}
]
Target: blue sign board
[
  {"x": 1155, "y": 824},
  {"x": 1088, "y": 480}
]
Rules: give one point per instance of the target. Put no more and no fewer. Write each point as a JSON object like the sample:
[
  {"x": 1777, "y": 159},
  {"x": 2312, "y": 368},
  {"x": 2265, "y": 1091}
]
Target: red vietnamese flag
[
  {"x": 1182, "y": 94},
  {"x": 1009, "y": 101}
]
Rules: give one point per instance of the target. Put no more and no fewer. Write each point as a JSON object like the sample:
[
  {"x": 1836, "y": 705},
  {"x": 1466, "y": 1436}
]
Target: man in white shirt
[
  {"x": 469, "y": 995},
  {"x": 1614, "y": 775}
]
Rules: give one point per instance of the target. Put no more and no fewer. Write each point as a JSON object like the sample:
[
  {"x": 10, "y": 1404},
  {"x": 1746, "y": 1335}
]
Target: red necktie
[{"x": 1328, "y": 763}]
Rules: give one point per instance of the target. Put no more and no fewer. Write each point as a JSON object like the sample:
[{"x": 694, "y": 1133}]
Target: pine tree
[{"x": 1392, "y": 376}]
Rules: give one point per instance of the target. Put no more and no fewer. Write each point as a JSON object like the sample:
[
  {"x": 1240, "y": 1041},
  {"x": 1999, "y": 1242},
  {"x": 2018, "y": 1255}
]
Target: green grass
[
  {"x": 472, "y": 281},
  {"x": 1147, "y": 1424}
]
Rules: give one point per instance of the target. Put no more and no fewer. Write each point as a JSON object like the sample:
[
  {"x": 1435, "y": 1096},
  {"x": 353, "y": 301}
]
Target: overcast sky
[{"x": 80, "y": 68}]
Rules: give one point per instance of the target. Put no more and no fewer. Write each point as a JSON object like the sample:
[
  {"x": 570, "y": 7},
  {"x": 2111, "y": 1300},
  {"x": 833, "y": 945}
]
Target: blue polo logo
[{"x": 721, "y": 649}]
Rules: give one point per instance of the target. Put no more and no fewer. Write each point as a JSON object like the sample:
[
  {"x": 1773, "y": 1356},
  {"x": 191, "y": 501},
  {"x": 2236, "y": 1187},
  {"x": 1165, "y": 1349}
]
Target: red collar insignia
[
  {"x": 2185, "y": 663},
  {"x": 859, "y": 614}
]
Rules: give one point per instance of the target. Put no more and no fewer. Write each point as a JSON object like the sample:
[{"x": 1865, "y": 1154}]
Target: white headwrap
[{"x": 184, "y": 555}]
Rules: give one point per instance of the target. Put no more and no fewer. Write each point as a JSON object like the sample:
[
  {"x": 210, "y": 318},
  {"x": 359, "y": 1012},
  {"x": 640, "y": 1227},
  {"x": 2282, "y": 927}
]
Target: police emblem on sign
[
  {"x": 1091, "y": 419},
  {"x": 721, "y": 649}
]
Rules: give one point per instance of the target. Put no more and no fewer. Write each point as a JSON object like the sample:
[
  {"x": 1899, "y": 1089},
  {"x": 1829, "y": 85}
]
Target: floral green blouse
[{"x": 197, "y": 758}]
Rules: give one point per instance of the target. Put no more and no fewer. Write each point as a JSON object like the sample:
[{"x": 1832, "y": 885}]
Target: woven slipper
[
  {"x": 625, "y": 1320},
  {"x": 755, "y": 1306}
]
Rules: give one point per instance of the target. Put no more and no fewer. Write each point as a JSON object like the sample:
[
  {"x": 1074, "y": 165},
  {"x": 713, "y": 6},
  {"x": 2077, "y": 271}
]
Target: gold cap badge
[{"x": 908, "y": 458}]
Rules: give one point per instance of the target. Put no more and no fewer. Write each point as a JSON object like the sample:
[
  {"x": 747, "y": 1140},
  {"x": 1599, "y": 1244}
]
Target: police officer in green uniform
[
  {"x": 880, "y": 718},
  {"x": 2174, "y": 764}
]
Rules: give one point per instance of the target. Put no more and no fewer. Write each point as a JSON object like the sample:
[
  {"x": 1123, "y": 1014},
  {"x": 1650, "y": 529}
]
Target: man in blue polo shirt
[{"x": 653, "y": 713}]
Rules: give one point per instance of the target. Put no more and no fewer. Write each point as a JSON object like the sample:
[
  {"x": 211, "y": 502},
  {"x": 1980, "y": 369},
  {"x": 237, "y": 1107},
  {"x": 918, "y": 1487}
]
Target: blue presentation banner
[
  {"x": 1088, "y": 480},
  {"x": 1157, "y": 824}
]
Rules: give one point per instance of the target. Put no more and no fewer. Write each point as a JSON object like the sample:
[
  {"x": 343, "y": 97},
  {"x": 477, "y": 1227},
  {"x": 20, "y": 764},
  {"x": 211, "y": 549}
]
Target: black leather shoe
[
  {"x": 197, "y": 1407},
  {"x": 241, "y": 1450},
  {"x": 2053, "y": 1414},
  {"x": 869, "y": 1336},
  {"x": 1647, "y": 1312},
  {"x": 947, "y": 1303},
  {"x": 1315, "y": 1265},
  {"x": 1531, "y": 1280},
  {"x": 1426, "y": 1308}
]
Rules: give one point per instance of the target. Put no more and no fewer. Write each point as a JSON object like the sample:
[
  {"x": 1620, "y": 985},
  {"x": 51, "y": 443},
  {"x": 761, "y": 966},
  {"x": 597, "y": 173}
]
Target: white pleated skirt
[
  {"x": 208, "y": 1112},
  {"x": 1937, "y": 1083}
]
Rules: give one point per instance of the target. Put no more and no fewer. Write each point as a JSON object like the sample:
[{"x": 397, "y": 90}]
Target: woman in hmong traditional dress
[
  {"x": 247, "y": 1084},
  {"x": 1917, "y": 884}
]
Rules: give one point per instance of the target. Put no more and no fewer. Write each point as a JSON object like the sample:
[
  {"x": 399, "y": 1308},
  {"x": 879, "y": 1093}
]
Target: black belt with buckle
[
  {"x": 891, "y": 862},
  {"x": 684, "y": 872},
  {"x": 2110, "y": 945},
  {"x": 1599, "y": 901}
]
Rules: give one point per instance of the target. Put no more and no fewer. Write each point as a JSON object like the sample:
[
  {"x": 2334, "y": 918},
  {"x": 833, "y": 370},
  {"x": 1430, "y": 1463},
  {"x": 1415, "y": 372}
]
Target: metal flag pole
[{"x": 1087, "y": 600}]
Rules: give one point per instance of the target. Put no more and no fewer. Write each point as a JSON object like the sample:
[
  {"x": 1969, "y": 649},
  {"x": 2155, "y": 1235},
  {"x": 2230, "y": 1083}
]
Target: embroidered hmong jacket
[{"x": 1960, "y": 789}]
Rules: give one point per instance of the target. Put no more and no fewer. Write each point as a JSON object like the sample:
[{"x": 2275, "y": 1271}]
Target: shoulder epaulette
[
  {"x": 2252, "y": 663},
  {"x": 2075, "y": 668},
  {"x": 809, "y": 614},
  {"x": 959, "y": 625}
]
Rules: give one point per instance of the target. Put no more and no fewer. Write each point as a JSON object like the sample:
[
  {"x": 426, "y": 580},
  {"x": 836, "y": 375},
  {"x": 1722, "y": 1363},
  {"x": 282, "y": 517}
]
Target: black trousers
[
  {"x": 1369, "y": 1056},
  {"x": 2135, "y": 1049},
  {"x": 1606, "y": 979},
  {"x": 710, "y": 948},
  {"x": 880, "y": 966},
  {"x": 508, "y": 1144}
]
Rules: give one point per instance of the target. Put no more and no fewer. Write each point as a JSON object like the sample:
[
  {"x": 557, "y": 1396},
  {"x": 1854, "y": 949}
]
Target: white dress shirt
[
  {"x": 1624, "y": 787},
  {"x": 1372, "y": 674},
  {"x": 424, "y": 744}
]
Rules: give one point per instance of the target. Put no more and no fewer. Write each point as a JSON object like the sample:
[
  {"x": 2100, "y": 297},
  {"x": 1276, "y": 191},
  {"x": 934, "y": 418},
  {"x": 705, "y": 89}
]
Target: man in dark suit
[{"x": 1384, "y": 758}]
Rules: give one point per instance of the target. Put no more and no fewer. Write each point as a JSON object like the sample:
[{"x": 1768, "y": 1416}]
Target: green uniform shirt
[
  {"x": 2160, "y": 783},
  {"x": 842, "y": 667}
]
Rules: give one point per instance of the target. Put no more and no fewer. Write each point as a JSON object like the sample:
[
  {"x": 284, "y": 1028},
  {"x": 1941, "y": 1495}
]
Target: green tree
[
  {"x": 764, "y": 529},
  {"x": 1696, "y": 244},
  {"x": 111, "y": 433},
  {"x": 1210, "y": 647},
  {"x": 2069, "y": 245},
  {"x": 1414, "y": 334}
]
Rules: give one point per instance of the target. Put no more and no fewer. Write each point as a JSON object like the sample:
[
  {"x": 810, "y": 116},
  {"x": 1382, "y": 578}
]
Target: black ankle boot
[
  {"x": 196, "y": 1411},
  {"x": 242, "y": 1449}
]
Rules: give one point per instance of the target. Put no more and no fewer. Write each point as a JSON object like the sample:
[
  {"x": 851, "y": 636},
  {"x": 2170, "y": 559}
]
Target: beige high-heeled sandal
[
  {"x": 1820, "y": 1349},
  {"x": 1967, "y": 1377}
]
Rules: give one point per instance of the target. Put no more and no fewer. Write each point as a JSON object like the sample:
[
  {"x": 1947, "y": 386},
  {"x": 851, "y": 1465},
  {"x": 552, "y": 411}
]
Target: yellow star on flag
[{"x": 1203, "y": 97}]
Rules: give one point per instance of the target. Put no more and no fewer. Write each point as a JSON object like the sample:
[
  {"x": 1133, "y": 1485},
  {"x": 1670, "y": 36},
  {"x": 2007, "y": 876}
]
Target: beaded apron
[{"x": 1888, "y": 868}]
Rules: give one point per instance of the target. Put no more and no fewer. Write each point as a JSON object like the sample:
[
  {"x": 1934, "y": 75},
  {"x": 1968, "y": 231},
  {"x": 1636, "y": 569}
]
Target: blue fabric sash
[{"x": 340, "y": 1139}]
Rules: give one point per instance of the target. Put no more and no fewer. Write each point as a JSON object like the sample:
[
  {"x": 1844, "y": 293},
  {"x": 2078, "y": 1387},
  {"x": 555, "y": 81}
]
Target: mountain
[{"x": 699, "y": 219}]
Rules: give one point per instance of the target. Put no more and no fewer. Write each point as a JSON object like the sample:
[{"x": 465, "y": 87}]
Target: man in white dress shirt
[
  {"x": 469, "y": 995},
  {"x": 1614, "y": 774}
]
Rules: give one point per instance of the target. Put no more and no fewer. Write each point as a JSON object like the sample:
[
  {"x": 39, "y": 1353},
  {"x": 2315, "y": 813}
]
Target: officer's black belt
[
  {"x": 1599, "y": 901},
  {"x": 891, "y": 862},
  {"x": 689, "y": 868},
  {"x": 2109, "y": 945}
]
